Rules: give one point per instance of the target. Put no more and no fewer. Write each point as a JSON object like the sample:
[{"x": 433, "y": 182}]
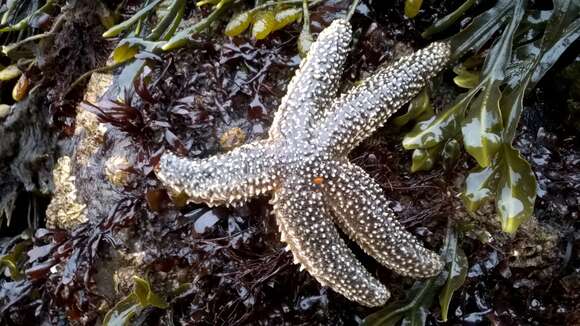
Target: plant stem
[
  {"x": 444, "y": 23},
  {"x": 117, "y": 29},
  {"x": 52, "y": 32},
  {"x": 306, "y": 15},
  {"x": 182, "y": 38},
  {"x": 22, "y": 24},
  {"x": 89, "y": 73},
  {"x": 352, "y": 9},
  {"x": 166, "y": 21}
]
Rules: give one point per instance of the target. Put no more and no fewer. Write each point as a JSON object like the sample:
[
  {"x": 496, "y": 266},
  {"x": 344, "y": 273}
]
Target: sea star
[{"x": 304, "y": 164}]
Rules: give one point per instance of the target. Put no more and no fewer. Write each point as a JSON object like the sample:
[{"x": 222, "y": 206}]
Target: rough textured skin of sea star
[{"x": 304, "y": 165}]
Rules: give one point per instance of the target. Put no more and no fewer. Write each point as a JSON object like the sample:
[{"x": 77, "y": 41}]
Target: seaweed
[
  {"x": 485, "y": 118},
  {"x": 141, "y": 297},
  {"x": 152, "y": 30},
  {"x": 412, "y": 7},
  {"x": 414, "y": 310},
  {"x": 34, "y": 35},
  {"x": 227, "y": 266}
]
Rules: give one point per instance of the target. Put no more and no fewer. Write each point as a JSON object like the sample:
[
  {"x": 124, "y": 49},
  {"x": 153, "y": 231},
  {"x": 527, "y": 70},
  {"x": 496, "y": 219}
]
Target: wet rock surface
[{"x": 227, "y": 266}]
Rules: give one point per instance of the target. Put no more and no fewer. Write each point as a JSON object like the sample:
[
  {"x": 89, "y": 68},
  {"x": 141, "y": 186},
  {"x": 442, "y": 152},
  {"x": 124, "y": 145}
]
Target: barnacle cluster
[{"x": 65, "y": 210}]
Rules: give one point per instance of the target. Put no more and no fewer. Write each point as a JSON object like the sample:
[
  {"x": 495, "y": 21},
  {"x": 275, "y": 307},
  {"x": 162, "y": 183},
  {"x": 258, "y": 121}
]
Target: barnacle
[
  {"x": 65, "y": 210},
  {"x": 116, "y": 170}
]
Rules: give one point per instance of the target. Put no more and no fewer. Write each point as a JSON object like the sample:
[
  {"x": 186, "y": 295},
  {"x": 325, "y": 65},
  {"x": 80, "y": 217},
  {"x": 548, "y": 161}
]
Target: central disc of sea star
[{"x": 304, "y": 165}]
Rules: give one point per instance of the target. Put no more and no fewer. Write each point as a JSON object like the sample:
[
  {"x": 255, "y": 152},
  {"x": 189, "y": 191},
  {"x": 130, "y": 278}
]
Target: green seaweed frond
[
  {"x": 132, "y": 305},
  {"x": 525, "y": 44},
  {"x": 158, "y": 26},
  {"x": 414, "y": 310}
]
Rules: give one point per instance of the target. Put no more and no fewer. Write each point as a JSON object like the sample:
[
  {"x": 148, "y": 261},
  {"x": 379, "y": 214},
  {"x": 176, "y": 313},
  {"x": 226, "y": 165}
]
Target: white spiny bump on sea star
[{"x": 304, "y": 164}]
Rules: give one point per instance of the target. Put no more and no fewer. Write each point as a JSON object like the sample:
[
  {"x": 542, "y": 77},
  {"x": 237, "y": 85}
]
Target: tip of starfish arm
[
  {"x": 433, "y": 264},
  {"x": 316, "y": 245}
]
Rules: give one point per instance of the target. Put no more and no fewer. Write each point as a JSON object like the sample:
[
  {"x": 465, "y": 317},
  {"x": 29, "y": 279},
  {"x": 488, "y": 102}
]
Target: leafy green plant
[
  {"x": 449, "y": 20},
  {"x": 263, "y": 22},
  {"x": 14, "y": 258},
  {"x": 155, "y": 28},
  {"x": 168, "y": 14},
  {"x": 264, "y": 18},
  {"x": 485, "y": 118},
  {"x": 19, "y": 22},
  {"x": 413, "y": 310},
  {"x": 457, "y": 266},
  {"x": 23, "y": 25},
  {"x": 19, "y": 14},
  {"x": 142, "y": 297},
  {"x": 412, "y": 7}
]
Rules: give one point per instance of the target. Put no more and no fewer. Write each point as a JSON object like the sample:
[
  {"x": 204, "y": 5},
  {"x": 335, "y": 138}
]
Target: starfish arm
[
  {"x": 358, "y": 206},
  {"x": 356, "y": 115},
  {"x": 315, "y": 84},
  {"x": 310, "y": 234},
  {"x": 228, "y": 178}
]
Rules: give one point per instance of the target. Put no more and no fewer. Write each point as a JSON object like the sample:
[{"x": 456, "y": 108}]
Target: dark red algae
[{"x": 226, "y": 266}]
